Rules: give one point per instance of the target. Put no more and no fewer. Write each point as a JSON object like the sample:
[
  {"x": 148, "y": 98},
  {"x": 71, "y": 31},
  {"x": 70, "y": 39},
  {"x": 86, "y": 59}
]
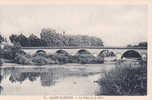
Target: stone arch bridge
[{"x": 94, "y": 50}]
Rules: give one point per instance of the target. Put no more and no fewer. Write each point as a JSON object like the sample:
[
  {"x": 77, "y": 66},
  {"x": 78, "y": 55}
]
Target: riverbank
[{"x": 125, "y": 79}]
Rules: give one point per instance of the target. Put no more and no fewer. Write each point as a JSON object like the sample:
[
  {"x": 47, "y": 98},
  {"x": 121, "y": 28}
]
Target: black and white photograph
[{"x": 73, "y": 49}]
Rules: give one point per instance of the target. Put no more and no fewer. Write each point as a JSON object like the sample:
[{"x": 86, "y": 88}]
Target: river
[{"x": 67, "y": 79}]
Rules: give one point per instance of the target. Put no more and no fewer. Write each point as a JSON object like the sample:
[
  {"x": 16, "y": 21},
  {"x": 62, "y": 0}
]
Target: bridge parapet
[{"x": 92, "y": 47}]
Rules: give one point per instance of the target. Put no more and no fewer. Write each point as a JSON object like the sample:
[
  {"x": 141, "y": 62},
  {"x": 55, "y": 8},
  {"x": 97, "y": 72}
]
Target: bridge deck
[{"x": 84, "y": 47}]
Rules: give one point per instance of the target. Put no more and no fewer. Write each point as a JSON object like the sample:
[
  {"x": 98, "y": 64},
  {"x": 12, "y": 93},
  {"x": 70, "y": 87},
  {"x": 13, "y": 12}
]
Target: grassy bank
[{"x": 125, "y": 79}]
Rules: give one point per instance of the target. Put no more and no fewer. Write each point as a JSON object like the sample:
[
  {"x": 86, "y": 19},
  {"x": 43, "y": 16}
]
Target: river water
[{"x": 67, "y": 79}]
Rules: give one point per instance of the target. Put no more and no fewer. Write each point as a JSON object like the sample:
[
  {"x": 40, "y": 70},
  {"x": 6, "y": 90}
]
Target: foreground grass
[{"x": 125, "y": 79}]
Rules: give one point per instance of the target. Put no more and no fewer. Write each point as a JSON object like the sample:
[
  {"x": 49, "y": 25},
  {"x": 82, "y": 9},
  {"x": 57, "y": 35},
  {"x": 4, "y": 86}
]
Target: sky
[{"x": 116, "y": 25}]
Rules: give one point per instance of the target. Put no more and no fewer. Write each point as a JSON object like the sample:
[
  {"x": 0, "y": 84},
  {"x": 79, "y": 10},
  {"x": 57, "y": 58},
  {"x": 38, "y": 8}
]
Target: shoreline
[{"x": 9, "y": 65}]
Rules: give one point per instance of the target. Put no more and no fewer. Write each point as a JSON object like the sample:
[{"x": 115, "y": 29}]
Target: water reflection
[
  {"x": 21, "y": 77},
  {"x": 46, "y": 78},
  {"x": 54, "y": 80}
]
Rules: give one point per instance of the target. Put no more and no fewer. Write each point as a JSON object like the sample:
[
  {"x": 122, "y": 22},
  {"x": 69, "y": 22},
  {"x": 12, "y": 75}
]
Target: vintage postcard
[{"x": 83, "y": 50}]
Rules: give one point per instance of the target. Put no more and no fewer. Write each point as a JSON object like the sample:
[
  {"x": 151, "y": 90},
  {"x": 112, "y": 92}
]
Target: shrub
[
  {"x": 100, "y": 59},
  {"x": 41, "y": 60},
  {"x": 9, "y": 52},
  {"x": 54, "y": 58},
  {"x": 125, "y": 80},
  {"x": 1, "y": 62},
  {"x": 112, "y": 53},
  {"x": 1, "y": 88},
  {"x": 106, "y": 53},
  {"x": 62, "y": 57},
  {"x": 1, "y": 78},
  {"x": 23, "y": 59},
  {"x": 85, "y": 57}
]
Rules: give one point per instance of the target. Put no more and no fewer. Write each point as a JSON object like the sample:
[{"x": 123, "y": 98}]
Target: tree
[
  {"x": 23, "y": 40},
  {"x": 2, "y": 39},
  {"x": 52, "y": 38},
  {"x": 34, "y": 41},
  {"x": 13, "y": 38},
  {"x": 142, "y": 44}
]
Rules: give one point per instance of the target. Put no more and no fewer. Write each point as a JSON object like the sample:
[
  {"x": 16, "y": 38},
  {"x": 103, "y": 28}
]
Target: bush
[
  {"x": 106, "y": 53},
  {"x": 42, "y": 58},
  {"x": 39, "y": 60},
  {"x": 1, "y": 62},
  {"x": 1, "y": 78},
  {"x": 125, "y": 80},
  {"x": 53, "y": 57},
  {"x": 62, "y": 57},
  {"x": 100, "y": 59},
  {"x": 36, "y": 59},
  {"x": 85, "y": 57},
  {"x": 23, "y": 59},
  {"x": 9, "y": 52},
  {"x": 1, "y": 88}
]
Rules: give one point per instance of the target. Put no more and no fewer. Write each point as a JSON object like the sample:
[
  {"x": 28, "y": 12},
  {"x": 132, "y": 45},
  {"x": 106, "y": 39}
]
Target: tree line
[
  {"x": 140, "y": 44},
  {"x": 51, "y": 38},
  {"x": 2, "y": 39}
]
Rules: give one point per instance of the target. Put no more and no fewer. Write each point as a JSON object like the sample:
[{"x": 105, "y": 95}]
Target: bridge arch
[
  {"x": 107, "y": 53},
  {"x": 131, "y": 54},
  {"x": 40, "y": 51},
  {"x": 83, "y": 51},
  {"x": 64, "y": 52}
]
